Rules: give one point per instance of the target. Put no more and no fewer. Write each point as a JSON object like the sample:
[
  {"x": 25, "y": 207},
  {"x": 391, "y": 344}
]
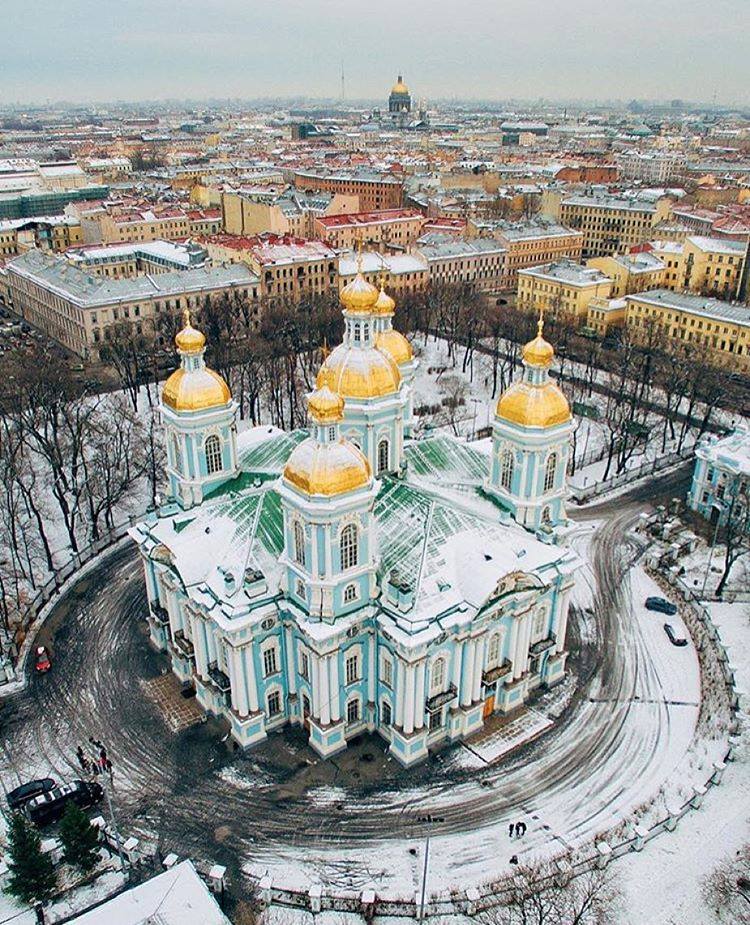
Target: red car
[{"x": 43, "y": 663}]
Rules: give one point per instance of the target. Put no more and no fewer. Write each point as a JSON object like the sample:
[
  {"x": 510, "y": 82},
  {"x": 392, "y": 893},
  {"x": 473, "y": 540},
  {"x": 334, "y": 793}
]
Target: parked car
[
  {"x": 673, "y": 637},
  {"x": 662, "y": 605},
  {"x": 21, "y": 795},
  {"x": 49, "y": 807},
  {"x": 43, "y": 662}
]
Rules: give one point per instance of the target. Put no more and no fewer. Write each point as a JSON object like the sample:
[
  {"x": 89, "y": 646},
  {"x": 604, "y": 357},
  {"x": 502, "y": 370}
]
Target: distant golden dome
[
  {"x": 400, "y": 87},
  {"x": 195, "y": 390},
  {"x": 359, "y": 296},
  {"x": 533, "y": 405},
  {"x": 359, "y": 372},
  {"x": 190, "y": 340},
  {"x": 325, "y": 406},
  {"x": 539, "y": 352},
  {"x": 384, "y": 304},
  {"x": 327, "y": 468},
  {"x": 395, "y": 345}
]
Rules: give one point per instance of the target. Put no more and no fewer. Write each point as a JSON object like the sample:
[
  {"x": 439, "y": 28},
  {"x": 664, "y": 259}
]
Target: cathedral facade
[{"x": 352, "y": 577}]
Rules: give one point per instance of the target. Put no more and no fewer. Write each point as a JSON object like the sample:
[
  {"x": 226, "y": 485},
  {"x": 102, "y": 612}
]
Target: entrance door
[
  {"x": 489, "y": 706},
  {"x": 306, "y": 711}
]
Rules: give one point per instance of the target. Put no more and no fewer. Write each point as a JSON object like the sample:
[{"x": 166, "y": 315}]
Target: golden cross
[{"x": 186, "y": 318}]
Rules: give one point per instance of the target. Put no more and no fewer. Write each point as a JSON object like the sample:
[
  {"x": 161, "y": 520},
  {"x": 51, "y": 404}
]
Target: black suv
[
  {"x": 50, "y": 806},
  {"x": 33, "y": 788},
  {"x": 660, "y": 604}
]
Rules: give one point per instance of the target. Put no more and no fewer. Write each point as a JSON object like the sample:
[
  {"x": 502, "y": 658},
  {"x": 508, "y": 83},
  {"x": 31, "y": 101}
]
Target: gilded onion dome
[
  {"x": 194, "y": 387},
  {"x": 384, "y": 304},
  {"x": 359, "y": 372},
  {"x": 400, "y": 87},
  {"x": 535, "y": 400},
  {"x": 359, "y": 297},
  {"x": 395, "y": 345},
  {"x": 327, "y": 467}
]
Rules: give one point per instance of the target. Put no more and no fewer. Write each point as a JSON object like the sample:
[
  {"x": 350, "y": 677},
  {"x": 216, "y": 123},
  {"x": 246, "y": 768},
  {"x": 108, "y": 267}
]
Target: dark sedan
[
  {"x": 33, "y": 788},
  {"x": 661, "y": 605}
]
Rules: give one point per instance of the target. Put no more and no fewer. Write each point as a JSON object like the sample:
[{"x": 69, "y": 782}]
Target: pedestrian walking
[
  {"x": 109, "y": 768},
  {"x": 520, "y": 829},
  {"x": 510, "y": 830},
  {"x": 514, "y": 859},
  {"x": 81, "y": 758}
]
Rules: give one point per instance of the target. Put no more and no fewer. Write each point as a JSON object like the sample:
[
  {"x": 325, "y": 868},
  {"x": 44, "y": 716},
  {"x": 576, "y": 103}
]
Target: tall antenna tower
[{"x": 343, "y": 83}]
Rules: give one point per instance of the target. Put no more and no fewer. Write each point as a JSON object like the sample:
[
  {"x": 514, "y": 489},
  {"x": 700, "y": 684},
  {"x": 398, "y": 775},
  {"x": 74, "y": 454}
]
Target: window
[
  {"x": 386, "y": 671},
  {"x": 352, "y": 668},
  {"x": 299, "y": 588},
  {"x": 357, "y": 333},
  {"x": 213, "y": 455},
  {"x": 352, "y": 711},
  {"x": 383, "y": 456},
  {"x": 331, "y": 433},
  {"x": 304, "y": 666},
  {"x": 437, "y": 676},
  {"x": 350, "y": 594},
  {"x": 540, "y": 620},
  {"x": 274, "y": 703},
  {"x": 386, "y": 717},
  {"x": 506, "y": 469},
  {"x": 349, "y": 550},
  {"x": 436, "y": 720},
  {"x": 269, "y": 662},
  {"x": 549, "y": 472},
  {"x": 493, "y": 651},
  {"x": 547, "y": 515},
  {"x": 299, "y": 543}
]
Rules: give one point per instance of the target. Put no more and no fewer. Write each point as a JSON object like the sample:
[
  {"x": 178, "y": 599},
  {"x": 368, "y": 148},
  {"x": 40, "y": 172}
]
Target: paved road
[{"x": 351, "y": 821}]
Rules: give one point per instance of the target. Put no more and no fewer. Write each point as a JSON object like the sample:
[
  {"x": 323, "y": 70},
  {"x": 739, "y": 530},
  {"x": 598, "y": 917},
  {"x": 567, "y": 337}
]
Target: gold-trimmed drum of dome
[
  {"x": 533, "y": 405},
  {"x": 327, "y": 468},
  {"x": 395, "y": 345},
  {"x": 400, "y": 87},
  {"x": 189, "y": 340},
  {"x": 325, "y": 406},
  {"x": 355, "y": 372},
  {"x": 195, "y": 390},
  {"x": 359, "y": 297}
]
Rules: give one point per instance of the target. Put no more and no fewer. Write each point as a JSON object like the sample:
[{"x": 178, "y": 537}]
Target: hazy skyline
[{"x": 86, "y": 51}]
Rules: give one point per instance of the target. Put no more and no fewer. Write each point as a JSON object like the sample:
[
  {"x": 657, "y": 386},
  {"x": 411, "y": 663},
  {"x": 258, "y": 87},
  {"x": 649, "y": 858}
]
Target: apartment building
[
  {"x": 129, "y": 260},
  {"x": 375, "y": 190},
  {"x": 564, "y": 289},
  {"x": 656, "y": 168},
  {"x": 48, "y": 233},
  {"x": 116, "y": 223},
  {"x": 635, "y": 272},
  {"x": 281, "y": 210},
  {"x": 711, "y": 266},
  {"x": 480, "y": 262},
  {"x": 388, "y": 228},
  {"x": 79, "y": 308},
  {"x": 405, "y": 273},
  {"x": 719, "y": 331}
]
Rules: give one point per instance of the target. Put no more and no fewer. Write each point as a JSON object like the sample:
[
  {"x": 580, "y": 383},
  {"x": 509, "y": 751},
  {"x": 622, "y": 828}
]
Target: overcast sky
[{"x": 469, "y": 49}]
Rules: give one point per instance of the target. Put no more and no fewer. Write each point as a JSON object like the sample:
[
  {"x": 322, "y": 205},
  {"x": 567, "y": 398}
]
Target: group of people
[
  {"x": 98, "y": 762},
  {"x": 517, "y": 829}
]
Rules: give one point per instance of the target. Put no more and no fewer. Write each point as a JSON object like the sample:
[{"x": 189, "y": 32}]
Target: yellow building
[
  {"x": 49, "y": 233},
  {"x": 530, "y": 243},
  {"x": 605, "y": 314},
  {"x": 718, "y": 331},
  {"x": 564, "y": 289},
  {"x": 406, "y": 273},
  {"x": 710, "y": 266},
  {"x": 397, "y": 228},
  {"x": 638, "y": 272}
]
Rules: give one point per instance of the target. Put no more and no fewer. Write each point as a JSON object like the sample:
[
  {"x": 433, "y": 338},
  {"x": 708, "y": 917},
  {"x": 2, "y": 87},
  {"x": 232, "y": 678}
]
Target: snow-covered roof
[{"x": 730, "y": 453}]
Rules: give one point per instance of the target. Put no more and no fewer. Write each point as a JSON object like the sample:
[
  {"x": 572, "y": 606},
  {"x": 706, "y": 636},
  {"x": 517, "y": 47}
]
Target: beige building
[
  {"x": 635, "y": 272},
  {"x": 564, "y": 289},
  {"x": 529, "y": 243},
  {"x": 281, "y": 211},
  {"x": 719, "y": 331},
  {"x": 605, "y": 315},
  {"x": 710, "y": 266},
  {"x": 49, "y": 233},
  {"x": 111, "y": 224},
  {"x": 79, "y": 309},
  {"x": 451, "y": 261},
  {"x": 374, "y": 190},
  {"x": 404, "y": 273},
  {"x": 390, "y": 228}
]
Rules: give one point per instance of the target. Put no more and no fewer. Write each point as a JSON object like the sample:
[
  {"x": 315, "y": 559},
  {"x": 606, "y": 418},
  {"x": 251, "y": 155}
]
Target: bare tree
[
  {"x": 736, "y": 526},
  {"x": 727, "y": 889}
]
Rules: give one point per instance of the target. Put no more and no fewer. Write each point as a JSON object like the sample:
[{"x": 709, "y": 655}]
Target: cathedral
[{"x": 354, "y": 577}]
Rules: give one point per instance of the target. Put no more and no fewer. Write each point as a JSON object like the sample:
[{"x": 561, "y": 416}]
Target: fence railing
[{"x": 581, "y": 494}]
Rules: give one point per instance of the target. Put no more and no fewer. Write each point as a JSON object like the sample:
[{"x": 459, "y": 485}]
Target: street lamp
[{"x": 718, "y": 506}]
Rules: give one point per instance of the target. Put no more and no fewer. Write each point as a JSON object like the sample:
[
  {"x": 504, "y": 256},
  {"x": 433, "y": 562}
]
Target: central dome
[
  {"x": 359, "y": 372},
  {"x": 400, "y": 88},
  {"x": 327, "y": 468},
  {"x": 533, "y": 405},
  {"x": 359, "y": 297},
  {"x": 395, "y": 345}
]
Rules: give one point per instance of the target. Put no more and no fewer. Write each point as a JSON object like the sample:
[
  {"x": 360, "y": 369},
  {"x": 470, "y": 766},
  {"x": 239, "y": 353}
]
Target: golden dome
[
  {"x": 395, "y": 345},
  {"x": 539, "y": 352},
  {"x": 533, "y": 405},
  {"x": 327, "y": 468},
  {"x": 384, "y": 304},
  {"x": 400, "y": 87},
  {"x": 190, "y": 340},
  {"x": 359, "y": 296},
  {"x": 359, "y": 372},
  {"x": 195, "y": 390},
  {"x": 325, "y": 406}
]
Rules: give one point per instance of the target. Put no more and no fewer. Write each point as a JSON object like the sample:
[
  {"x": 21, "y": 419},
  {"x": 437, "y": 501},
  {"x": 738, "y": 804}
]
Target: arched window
[
  {"x": 352, "y": 710},
  {"x": 332, "y": 433},
  {"x": 550, "y": 471},
  {"x": 493, "y": 651},
  {"x": 176, "y": 453},
  {"x": 299, "y": 543},
  {"x": 214, "y": 461},
  {"x": 506, "y": 469},
  {"x": 437, "y": 676},
  {"x": 349, "y": 547},
  {"x": 539, "y": 626},
  {"x": 350, "y": 594},
  {"x": 547, "y": 515},
  {"x": 383, "y": 456}
]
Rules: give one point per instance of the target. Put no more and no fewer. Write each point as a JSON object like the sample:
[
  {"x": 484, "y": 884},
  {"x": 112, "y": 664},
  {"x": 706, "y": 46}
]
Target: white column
[
  {"x": 328, "y": 540},
  {"x": 458, "y": 665},
  {"x": 515, "y": 647},
  {"x": 291, "y": 669},
  {"x": 372, "y": 667},
  {"x": 199, "y": 645},
  {"x": 252, "y": 686},
  {"x": 335, "y": 693},
  {"x": 409, "y": 703},
  {"x": 315, "y": 685},
  {"x": 325, "y": 695},
  {"x": 419, "y": 696},
  {"x": 476, "y": 692},
  {"x": 562, "y": 621},
  {"x": 173, "y": 611},
  {"x": 237, "y": 680},
  {"x": 468, "y": 673},
  {"x": 400, "y": 692}
]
